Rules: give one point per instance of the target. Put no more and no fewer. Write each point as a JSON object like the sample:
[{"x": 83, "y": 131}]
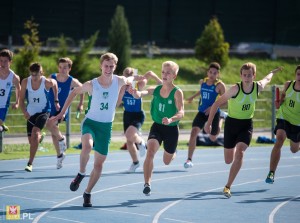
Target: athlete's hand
[
  {"x": 207, "y": 128},
  {"x": 166, "y": 121}
]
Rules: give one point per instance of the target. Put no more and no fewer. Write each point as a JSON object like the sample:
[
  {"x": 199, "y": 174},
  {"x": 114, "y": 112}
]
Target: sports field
[{"x": 178, "y": 194}]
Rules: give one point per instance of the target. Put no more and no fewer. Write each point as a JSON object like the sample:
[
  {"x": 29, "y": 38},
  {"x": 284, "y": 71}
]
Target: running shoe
[
  {"x": 188, "y": 164},
  {"x": 133, "y": 167},
  {"x": 59, "y": 163},
  {"x": 147, "y": 189},
  {"x": 28, "y": 168},
  {"x": 87, "y": 200},
  {"x": 142, "y": 148},
  {"x": 4, "y": 128},
  {"x": 226, "y": 192},
  {"x": 42, "y": 137},
  {"x": 76, "y": 182},
  {"x": 270, "y": 178},
  {"x": 62, "y": 145}
]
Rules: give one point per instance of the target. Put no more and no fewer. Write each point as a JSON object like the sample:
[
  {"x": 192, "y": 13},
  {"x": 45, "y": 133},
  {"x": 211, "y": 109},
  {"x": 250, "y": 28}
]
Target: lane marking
[{"x": 276, "y": 209}]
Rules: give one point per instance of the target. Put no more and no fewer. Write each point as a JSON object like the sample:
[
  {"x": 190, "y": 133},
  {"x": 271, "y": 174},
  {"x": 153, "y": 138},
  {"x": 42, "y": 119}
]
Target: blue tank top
[
  {"x": 208, "y": 95},
  {"x": 130, "y": 103},
  {"x": 64, "y": 89}
]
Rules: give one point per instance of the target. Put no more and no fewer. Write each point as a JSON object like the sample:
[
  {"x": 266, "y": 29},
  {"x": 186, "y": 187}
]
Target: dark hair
[
  {"x": 35, "y": 67},
  {"x": 7, "y": 53},
  {"x": 214, "y": 65},
  {"x": 297, "y": 68}
]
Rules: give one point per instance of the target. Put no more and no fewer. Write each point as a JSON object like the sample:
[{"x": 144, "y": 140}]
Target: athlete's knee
[{"x": 294, "y": 149}]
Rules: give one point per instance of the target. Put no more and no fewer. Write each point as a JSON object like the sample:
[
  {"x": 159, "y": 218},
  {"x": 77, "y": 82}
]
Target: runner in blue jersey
[
  {"x": 134, "y": 116},
  {"x": 65, "y": 84},
  {"x": 210, "y": 89}
]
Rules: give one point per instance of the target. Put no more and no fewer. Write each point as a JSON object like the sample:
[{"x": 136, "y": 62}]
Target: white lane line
[
  {"x": 271, "y": 216},
  {"x": 63, "y": 219},
  {"x": 27, "y": 198},
  {"x": 157, "y": 216},
  {"x": 32, "y": 182}
]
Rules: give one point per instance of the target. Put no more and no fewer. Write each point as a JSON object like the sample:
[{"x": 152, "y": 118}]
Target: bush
[
  {"x": 119, "y": 39},
  {"x": 30, "y": 51},
  {"x": 211, "y": 45},
  {"x": 81, "y": 62}
]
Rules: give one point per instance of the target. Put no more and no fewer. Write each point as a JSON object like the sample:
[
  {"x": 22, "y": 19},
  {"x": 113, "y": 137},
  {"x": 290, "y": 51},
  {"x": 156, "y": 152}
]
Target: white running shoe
[
  {"x": 62, "y": 145},
  {"x": 188, "y": 164},
  {"x": 133, "y": 167},
  {"x": 142, "y": 148},
  {"x": 59, "y": 161}
]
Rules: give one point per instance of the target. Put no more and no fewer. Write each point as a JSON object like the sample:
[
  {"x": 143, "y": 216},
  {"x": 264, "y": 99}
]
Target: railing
[{"x": 264, "y": 117}]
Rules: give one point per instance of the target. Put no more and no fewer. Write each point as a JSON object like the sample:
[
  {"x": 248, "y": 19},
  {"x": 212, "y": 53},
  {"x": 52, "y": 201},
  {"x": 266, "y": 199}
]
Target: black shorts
[
  {"x": 135, "y": 119},
  {"x": 292, "y": 131},
  {"x": 237, "y": 130},
  {"x": 37, "y": 120},
  {"x": 201, "y": 119},
  {"x": 168, "y": 134}
]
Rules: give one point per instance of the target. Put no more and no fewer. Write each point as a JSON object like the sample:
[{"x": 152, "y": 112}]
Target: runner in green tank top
[
  {"x": 167, "y": 109},
  {"x": 238, "y": 127},
  {"x": 288, "y": 122}
]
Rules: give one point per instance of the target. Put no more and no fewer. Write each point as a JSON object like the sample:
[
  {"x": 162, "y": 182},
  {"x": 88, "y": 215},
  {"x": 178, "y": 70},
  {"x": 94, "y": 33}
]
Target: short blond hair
[
  {"x": 109, "y": 56},
  {"x": 174, "y": 66},
  {"x": 248, "y": 66},
  {"x": 128, "y": 71}
]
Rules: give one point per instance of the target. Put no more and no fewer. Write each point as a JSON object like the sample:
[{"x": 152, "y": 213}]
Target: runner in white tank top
[
  {"x": 103, "y": 101},
  {"x": 7, "y": 79},
  {"x": 97, "y": 125}
]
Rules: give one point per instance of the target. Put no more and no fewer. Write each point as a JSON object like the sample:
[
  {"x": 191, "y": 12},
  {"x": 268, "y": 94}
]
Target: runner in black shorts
[
  {"x": 238, "y": 128},
  {"x": 134, "y": 116},
  {"x": 288, "y": 122}
]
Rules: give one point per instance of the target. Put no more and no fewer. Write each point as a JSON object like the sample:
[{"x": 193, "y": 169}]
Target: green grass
[{"x": 191, "y": 70}]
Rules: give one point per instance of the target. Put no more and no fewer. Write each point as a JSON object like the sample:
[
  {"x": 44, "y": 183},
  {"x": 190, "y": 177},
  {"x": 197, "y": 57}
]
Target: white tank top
[
  {"x": 37, "y": 100},
  {"x": 103, "y": 101},
  {"x": 5, "y": 90}
]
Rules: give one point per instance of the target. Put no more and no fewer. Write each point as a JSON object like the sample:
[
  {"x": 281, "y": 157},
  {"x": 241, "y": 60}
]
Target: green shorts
[{"x": 101, "y": 133}]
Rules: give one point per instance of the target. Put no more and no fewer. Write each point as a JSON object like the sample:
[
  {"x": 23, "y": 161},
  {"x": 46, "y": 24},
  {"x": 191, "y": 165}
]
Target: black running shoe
[
  {"x": 87, "y": 200},
  {"x": 76, "y": 182},
  {"x": 147, "y": 189}
]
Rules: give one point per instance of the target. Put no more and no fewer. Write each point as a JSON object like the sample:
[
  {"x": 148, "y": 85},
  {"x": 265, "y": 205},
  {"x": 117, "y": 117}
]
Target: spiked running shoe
[
  {"x": 270, "y": 178},
  {"x": 59, "y": 163},
  {"x": 133, "y": 167},
  {"x": 226, "y": 192},
  {"x": 147, "y": 189},
  {"x": 76, "y": 182},
  {"x": 28, "y": 168},
  {"x": 142, "y": 148},
  {"x": 87, "y": 200},
  {"x": 188, "y": 164}
]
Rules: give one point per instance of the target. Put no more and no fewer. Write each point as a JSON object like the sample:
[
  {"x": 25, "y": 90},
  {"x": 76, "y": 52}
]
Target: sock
[
  {"x": 189, "y": 159},
  {"x": 81, "y": 173},
  {"x": 135, "y": 163},
  {"x": 86, "y": 192},
  {"x": 60, "y": 156},
  {"x": 1, "y": 128}
]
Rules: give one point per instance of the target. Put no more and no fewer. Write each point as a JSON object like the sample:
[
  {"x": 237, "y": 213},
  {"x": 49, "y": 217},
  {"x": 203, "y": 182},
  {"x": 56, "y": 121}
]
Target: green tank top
[
  {"x": 290, "y": 108},
  {"x": 242, "y": 106},
  {"x": 163, "y": 107}
]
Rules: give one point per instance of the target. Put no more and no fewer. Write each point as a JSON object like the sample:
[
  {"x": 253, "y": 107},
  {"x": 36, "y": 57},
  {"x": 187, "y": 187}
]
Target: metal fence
[{"x": 264, "y": 117}]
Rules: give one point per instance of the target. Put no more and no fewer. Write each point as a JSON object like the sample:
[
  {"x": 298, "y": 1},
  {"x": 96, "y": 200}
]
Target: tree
[
  {"x": 119, "y": 39},
  {"x": 30, "y": 51},
  {"x": 211, "y": 45}
]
